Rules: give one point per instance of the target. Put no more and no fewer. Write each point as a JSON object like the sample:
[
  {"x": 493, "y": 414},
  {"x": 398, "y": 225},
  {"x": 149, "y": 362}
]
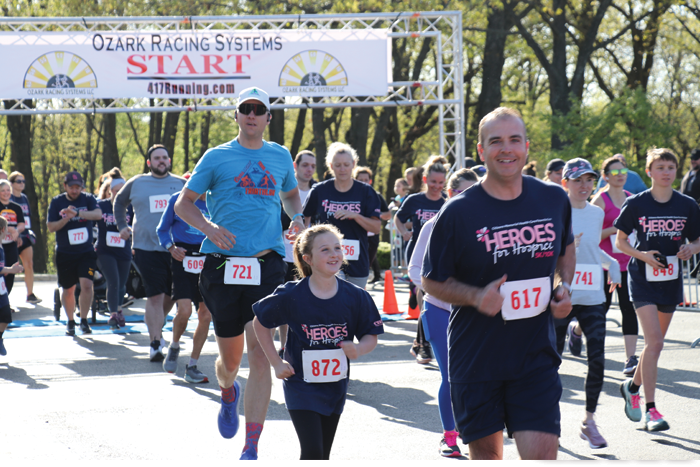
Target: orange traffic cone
[
  {"x": 413, "y": 313},
  {"x": 391, "y": 307}
]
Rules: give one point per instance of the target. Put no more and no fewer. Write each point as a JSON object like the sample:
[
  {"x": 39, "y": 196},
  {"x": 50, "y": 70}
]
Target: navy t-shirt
[
  {"x": 324, "y": 200},
  {"x": 109, "y": 224},
  {"x": 12, "y": 212},
  {"x": 419, "y": 209},
  {"x": 663, "y": 227},
  {"x": 23, "y": 201},
  {"x": 5, "y": 297},
  {"x": 317, "y": 324},
  {"x": 74, "y": 228},
  {"x": 522, "y": 238}
]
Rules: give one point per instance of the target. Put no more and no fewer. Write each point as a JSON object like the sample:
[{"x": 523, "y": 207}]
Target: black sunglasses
[
  {"x": 258, "y": 109},
  {"x": 18, "y": 181}
]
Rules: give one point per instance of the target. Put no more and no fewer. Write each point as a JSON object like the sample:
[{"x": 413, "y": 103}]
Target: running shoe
[
  {"x": 193, "y": 375},
  {"x": 170, "y": 363},
  {"x": 630, "y": 365},
  {"x": 85, "y": 327},
  {"x": 415, "y": 348},
  {"x": 157, "y": 352},
  {"x": 121, "y": 321},
  {"x": 632, "y": 402},
  {"x": 128, "y": 301},
  {"x": 3, "y": 350},
  {"x": 590, "y": 433},
  {"x": 113, "y": 322},
  {"x": 425, "y": 354},
  {"x": 250, "y": 454},
  {"x": 31, "y": 298},
  {"x": 70, "y": 328},
  {"x": 448, "y": 445},
  {"x": 654, "y": 421},
  {"x": 574, "y": 340},
  {"x": 228, "y": 415}
]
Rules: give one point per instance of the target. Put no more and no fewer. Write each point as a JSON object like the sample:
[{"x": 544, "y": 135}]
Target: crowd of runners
[{"x": 255, "y": 244}]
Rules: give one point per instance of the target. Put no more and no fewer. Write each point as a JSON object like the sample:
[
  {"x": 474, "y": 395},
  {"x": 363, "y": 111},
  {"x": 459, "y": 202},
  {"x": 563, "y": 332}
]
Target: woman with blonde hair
[{"x": 353, "y": 207}]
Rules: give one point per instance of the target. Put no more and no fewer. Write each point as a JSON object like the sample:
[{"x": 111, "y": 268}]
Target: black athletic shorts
[
  {"x": 6, "y": 314},
  {"x": 231, "y": 306},
  {"x": 186, "y": 284},
  {"x": 73, "y": 266},
  {"x": 154, "y": 267},
  {"x": 528, "y": 404}
]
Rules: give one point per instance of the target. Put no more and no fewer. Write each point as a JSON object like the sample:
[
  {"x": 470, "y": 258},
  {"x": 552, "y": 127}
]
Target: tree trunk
[
  {"x": 170, "y": 133},
  {"x": 298, "y": 132},
  {"x": 499, "y": 23},
  {"x": 277, "y": 125},
  {"x": 21, "y": 157},
  {"x": 110, "y": 152},
  {"x": 186, "y": 142},
  {"x": 204, "y": 134},
  {"x": 358, "y": 134},
  {"x": 319, "y": 128}
]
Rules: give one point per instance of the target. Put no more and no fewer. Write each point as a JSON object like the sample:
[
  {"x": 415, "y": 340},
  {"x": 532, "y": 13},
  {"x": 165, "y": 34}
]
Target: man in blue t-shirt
[
  {"x": 244, "y": 180},
  {"x": 506, "y": 273},
  {"x": 71, "y": 215}
]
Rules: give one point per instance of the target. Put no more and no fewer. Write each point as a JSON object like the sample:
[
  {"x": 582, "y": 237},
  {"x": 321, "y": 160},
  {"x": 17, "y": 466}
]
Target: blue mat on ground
[
  {"x": 398, "y": 317},
  {"x": 58, "y": 328}
]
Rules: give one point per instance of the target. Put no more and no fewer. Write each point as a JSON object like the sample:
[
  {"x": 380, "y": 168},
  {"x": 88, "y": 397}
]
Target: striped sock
[
  {"x": 228, "y": 395},
  {"x": 252, "y": 436}
]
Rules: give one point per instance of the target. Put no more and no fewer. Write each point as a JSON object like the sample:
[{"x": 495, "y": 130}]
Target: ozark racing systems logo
[
  {"x": 60, "y": 74},
  {"x": 313, "y": 71}
]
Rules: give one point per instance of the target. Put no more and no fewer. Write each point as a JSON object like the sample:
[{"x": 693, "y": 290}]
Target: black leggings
[
  {"x": 11, "y": 257},
  {"x": 316, "y": 433},
  {"x": 592, "y": 321},
  {"x": 630, "y": 326}
]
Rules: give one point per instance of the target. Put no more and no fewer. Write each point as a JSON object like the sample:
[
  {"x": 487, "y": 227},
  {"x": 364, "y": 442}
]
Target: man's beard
[{"x": 157, "y": 171}]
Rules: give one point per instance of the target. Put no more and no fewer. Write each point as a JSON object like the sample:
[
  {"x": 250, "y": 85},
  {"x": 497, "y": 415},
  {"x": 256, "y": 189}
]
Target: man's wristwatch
[
  {"x": 168, "y": 246},
  {"x": 567, "y": 286}
]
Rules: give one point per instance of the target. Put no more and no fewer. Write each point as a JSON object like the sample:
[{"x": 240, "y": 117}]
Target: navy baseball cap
[
  {"x": 73, "y": 178},
  {"x": 555, "y": 165},
  {"x": 578, "y": 167}
]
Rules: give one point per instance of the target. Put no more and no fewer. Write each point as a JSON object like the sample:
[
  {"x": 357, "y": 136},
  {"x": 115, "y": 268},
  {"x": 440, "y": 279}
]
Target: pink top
[{"x": 611, "y": 213}]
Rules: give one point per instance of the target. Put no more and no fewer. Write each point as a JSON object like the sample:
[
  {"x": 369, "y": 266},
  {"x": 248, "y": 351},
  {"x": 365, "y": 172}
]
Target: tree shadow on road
[
  {"x": 20, "y": 376},
  {"x": 405, "y": 406}
]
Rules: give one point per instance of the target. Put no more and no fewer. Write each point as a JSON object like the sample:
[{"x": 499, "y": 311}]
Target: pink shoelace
[
  {"x": 635, "y": 401},
  {"x": 451, "y": 438},
  {"x": 655, "y": 415}
]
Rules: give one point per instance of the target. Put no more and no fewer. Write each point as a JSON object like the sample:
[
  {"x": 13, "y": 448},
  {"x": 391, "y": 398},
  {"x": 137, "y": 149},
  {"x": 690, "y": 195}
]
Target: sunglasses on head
[
  {"x": 614, "y": 172},
  {"x": 257, "y": 109},
  {"x": 19, "y": 181}
]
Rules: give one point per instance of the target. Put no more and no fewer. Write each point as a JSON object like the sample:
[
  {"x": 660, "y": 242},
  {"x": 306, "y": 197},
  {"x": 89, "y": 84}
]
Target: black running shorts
[
  {"x": 231, "y": 306},
  {"x": 71, "y": 267},
  {"x": 528, "y": 404}
]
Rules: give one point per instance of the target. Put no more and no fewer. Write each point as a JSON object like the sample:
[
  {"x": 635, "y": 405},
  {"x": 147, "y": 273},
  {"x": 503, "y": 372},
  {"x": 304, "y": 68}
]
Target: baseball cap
[
  {"x": 578, "y": 167},
  {"x": 555, "y": 165},
  {"x": 73, "y": 178},
  {"x": 480, "y": 170},
  {"x": 695, "y": 154},
  {"x": 254, "y": 93}
]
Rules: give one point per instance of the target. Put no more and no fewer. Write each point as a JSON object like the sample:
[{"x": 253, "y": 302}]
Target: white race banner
[{"x": 193, "y": 64}]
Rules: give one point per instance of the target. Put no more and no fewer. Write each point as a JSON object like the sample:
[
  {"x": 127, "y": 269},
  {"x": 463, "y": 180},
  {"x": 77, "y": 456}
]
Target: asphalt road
[{"x": 98, "y": 397}]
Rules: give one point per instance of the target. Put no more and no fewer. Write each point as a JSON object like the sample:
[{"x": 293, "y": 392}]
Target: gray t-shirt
[
  {"x": 588, "y": 282},
  {"x": 149, "y": 196}
]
